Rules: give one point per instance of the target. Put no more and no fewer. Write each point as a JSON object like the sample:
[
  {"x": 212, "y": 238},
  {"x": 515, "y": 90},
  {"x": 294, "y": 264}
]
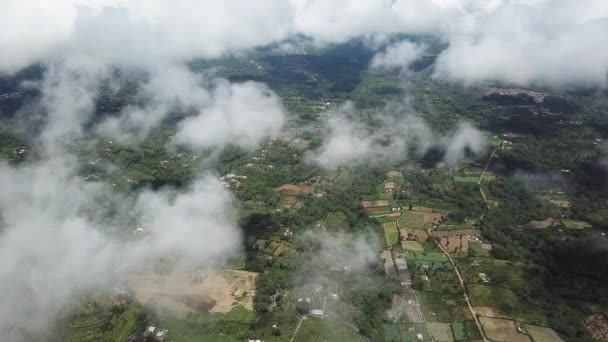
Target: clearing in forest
[{"x": 214, "y": 291}]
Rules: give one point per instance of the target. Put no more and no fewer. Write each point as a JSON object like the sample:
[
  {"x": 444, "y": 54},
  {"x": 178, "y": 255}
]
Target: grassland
[
  {"x": 209, "y": 327},
  {"x": 413, "y": 219},
  {"x": 441, "y": 332},
  {"x": 316, "y": 330},
  {"x": 574, "y": 224},
  {"x": 412, "y": 246},
  {"x": 463, "y": 331},
  {"x": 405, "y": 332},
  {"x": 542, "y": 334},
  {"x": 391, "y": 233}
]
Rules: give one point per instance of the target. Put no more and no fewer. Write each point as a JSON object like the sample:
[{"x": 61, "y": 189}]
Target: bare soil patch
[
  {"x": 217, "y": 291},
  {"x": 598, "y": 326},
  {"x": 295, "y": 189}
]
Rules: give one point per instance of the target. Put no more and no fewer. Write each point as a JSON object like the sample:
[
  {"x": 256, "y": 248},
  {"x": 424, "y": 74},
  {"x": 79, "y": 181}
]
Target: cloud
[
  {"x": 464, "y": 138},
  {"x": 546, "y": 43},
  {"x": 350, "y": 141},
  {"x": 241, "y": 113},
  {"x": 59, "y": 237},
  {"x": 398, "y": 56},
  {"x": 527, "y": 42}
]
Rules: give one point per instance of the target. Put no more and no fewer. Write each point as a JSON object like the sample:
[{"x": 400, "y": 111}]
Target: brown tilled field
[
  {"x": 432, "y": 218},
  {"x": 375, "y": 203},
  {"x": 179, "y": 293},
  {"x": 295, "y": 189}
]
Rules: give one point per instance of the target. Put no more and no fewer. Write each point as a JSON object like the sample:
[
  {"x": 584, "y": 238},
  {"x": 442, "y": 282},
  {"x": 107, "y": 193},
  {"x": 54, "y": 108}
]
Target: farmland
[
  {"x": 542, "y": 334},
  {"x": 502, "y": 330},
  {"x": 441, "y": 332},
  {"x": 391, "y": 233}
]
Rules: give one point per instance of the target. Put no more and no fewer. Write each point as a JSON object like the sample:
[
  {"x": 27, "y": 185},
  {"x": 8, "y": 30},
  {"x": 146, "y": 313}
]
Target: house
[
  {"x": 317, "y": 313},
  {"x": 389, "y": 186},
  {"x": 484, "y": 277}
]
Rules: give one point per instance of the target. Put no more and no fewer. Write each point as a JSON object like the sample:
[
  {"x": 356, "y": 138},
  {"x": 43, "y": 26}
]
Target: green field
[
  {"x": 391, "y": 233},
  {"x": 404, "y": 332},
  {"x": 465, "y": 331},
  {"x": 542, "y": 334},
  {"x": 574, "y": 224},
  {"x": 427, "y": 256},
  {"x": 413, "y": 219},
  {"x": 316, "y": 330},
  {"x": 412, "y": 246},
  {"x": 466, "y": 179},
  {"x": 211, "y": 327},
  {"x": 441, "y": 332},
  {"x": 495, "y": 296}
]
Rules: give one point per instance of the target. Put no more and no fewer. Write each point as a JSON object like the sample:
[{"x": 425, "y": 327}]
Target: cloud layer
[{"x": 544, "y": 42}]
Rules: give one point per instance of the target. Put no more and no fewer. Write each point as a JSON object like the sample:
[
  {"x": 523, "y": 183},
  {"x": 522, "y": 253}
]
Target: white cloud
[
  {"x": 349, "y": 141},
  {"x": 398, "y": 56},
  {"x": 241, "y": 113},
  {"x": 464, "y": 138},
  {"x": 55, "y": 242},
  {"x": 546, "y": 42}
]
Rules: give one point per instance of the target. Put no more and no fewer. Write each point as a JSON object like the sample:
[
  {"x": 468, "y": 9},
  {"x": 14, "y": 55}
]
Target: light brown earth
[
  {"x": 219, "y": 291},
  {"x": 375, "y": 203},
  {"x": 499, "y": 330},
  {"x": 488, "y": 311},
  {"x": 598, "y": 326},
  {"x": 295, "y": 189},
  {"x": 543, "y": 334},
  {"x": 432, "y": 218},
  {"x": 560, "y": 203}
]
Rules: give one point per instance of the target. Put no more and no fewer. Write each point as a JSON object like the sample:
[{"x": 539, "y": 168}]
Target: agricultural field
[
  {"x": 542, "y": 334},
  {"x": 441, "y": 332},
  {"x": 100, "y": 321},
  {"x": 574, "y": 224},
  {"x": 443, "y": 308},
  {"x": 391, "y": 233},
  {"x": 413, "y": 219},
  {"x": 434, "y": 257},
  {"x": 478, "y": 249},
  {"x": 316, "y": 330},
  {"x": 414, "y": 246},
  {"x": 465, "y": 331},
  {"x": 495, "y": 296},
  {"x": 405, "y": 332},
  {"x": 209, "y": 327},
  {"x": 498, "y": 329}
]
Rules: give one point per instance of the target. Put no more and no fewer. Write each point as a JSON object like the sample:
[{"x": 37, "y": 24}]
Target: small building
[
  {"x": 389, "y": 187},
  {"x": 317, "y": 313},
  {"x": 149, "y": 331}
]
